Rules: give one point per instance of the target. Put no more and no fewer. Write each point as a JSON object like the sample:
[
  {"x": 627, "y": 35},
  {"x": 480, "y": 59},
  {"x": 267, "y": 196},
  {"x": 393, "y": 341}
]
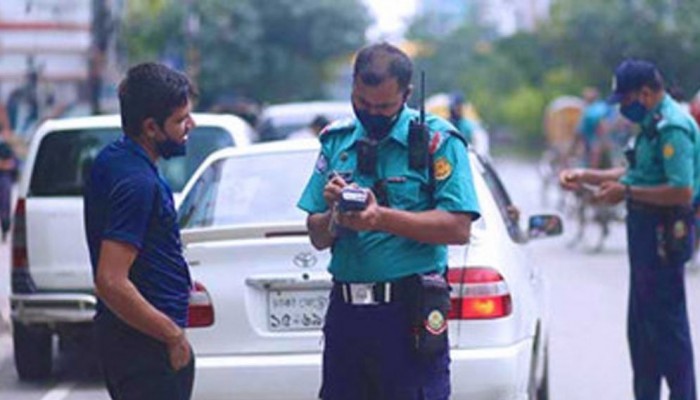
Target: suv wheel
[{"x": 33, "y": 351}]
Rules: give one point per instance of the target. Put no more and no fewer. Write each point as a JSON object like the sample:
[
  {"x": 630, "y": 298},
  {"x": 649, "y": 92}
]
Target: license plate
[{"x": 296, "y": 310}]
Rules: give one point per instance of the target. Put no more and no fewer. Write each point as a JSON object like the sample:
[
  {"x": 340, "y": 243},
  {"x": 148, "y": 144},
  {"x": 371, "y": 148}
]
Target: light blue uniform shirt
[
  {"x": 373, "y": 256},
  {"x": 592, "y": 116},
  {"x": 465, "y": 127},
  {"x": 667, "y": 150}
]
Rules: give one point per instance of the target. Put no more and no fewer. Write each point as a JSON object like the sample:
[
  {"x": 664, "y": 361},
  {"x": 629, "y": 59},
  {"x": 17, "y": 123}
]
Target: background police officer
[
  {"x": 658, "y": 185},
  {"x": 385, "y": 330}
]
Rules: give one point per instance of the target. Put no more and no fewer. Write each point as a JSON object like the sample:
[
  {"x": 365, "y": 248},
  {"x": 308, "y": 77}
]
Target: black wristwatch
[{"x": 628, "y": 192}]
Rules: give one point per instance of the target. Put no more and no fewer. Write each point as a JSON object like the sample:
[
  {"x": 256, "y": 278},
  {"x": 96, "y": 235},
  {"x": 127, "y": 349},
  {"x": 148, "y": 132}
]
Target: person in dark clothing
[
  {"x": 141, "y": 277},
  {"x": 8, "y": 170}
]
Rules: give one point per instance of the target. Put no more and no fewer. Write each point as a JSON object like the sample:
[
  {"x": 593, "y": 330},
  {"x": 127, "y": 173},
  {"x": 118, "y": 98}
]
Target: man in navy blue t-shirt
[{"x": 141, "y": 277}]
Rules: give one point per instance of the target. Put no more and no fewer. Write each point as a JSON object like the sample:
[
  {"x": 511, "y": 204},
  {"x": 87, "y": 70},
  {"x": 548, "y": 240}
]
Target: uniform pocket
[
  {"x": 430, "y": 318},
  {"x": 678, "y": 236},
  {"x": 404, "y": 194}
]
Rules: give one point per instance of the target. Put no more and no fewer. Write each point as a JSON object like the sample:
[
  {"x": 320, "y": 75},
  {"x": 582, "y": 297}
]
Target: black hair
[
  {"x": 320, "y": 121},
  {"x": 152, "y": 90},
  {"x": 377, "y": 62}
]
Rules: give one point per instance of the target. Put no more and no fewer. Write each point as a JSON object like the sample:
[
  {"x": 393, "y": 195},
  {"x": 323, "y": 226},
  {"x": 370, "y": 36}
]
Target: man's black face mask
[{"x": 376, "y": 125}]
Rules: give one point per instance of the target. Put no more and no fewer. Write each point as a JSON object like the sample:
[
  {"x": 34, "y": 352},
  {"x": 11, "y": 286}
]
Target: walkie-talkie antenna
[{"x": 422, "y": 97}]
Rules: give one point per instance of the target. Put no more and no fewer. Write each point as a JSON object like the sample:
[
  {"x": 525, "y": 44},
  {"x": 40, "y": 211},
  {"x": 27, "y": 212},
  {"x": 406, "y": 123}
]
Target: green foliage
[
  {"x": 269, "y": 50},
  {"x": 512, "y": 79},
  {"x": 523, "y": 109}
]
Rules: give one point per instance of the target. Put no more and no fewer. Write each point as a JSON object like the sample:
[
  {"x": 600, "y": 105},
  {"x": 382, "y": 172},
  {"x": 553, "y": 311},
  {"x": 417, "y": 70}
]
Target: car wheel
[{"x": 33, "y": 351}]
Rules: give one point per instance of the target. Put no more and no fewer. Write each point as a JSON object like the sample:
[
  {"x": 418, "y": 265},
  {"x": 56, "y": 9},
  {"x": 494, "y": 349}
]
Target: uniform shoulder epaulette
[
  {"x": 345, "y": 125},
  {"x": 663, "y": 124},
  {"x": 442, "y": 129}
]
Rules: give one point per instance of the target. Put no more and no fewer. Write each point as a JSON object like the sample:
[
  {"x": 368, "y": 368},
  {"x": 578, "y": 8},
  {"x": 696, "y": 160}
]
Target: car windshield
[
  {"x": 250, "y": 189},
  {"x": 64, "y": 158}
]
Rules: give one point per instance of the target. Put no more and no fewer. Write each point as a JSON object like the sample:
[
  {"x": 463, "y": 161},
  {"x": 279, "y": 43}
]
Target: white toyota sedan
[{"x": 262, "y": 289}]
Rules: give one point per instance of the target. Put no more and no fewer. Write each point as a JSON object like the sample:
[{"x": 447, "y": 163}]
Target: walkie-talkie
[{"x": 418, "y": 134}]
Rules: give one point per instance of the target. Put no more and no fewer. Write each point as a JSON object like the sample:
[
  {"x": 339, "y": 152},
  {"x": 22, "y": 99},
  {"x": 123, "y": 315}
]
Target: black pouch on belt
[
  {"x": 679, "y": 233},
  {"x": 431, "y": 310}
]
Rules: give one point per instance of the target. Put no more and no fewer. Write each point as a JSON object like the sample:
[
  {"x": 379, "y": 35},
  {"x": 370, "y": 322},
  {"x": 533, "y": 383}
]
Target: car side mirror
[{"x": 540, "y": 226}]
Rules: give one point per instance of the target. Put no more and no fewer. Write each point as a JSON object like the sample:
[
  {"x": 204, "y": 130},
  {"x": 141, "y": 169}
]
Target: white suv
[{"x": 52, "y": 286}]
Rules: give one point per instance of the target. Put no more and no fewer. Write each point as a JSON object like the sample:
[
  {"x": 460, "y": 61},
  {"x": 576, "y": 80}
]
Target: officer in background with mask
[
  {"x": 385, "y": 332},
  {"x": 658, "y": 186},
  {"x": 457, "y": 118},
  {"x": 141, "y": 277}
]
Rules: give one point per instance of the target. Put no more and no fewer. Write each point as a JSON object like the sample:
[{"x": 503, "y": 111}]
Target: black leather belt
[{"x": 373, "y": 293}]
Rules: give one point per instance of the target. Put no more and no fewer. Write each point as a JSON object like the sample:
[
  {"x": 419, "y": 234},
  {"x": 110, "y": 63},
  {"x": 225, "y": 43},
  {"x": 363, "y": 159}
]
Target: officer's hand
[
  {"x": 571, "y": 179},
  {"x": 179, "y": 352},
  {"x": 365, "y": 220},
  {"x": 331, "y": 192},
  {"x": 611, "y": 192}
]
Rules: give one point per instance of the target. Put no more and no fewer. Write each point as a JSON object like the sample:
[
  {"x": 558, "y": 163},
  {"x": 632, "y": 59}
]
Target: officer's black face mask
[{"x": 376, "y": 125}]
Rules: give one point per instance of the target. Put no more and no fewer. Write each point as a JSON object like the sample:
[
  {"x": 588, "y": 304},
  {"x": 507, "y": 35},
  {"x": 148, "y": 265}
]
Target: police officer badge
[
  {"x": 436, "y": 322},
  {"x": 442, "y": 168},
  {"x": 679, "y": 230}
]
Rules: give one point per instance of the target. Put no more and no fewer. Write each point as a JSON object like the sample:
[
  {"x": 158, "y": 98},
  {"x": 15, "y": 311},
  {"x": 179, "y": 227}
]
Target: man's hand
[
  {"x": 331, "y": 192},
  {"x": 611, "y": 192},
  {"x": 571, "y": 179},
  {"x": 179, "y": 351},
  {"x": 365, "y": 220}
]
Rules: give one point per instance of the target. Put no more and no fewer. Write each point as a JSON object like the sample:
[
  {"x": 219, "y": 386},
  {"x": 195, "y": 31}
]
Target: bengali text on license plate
[{"x": 292, "y": 310}]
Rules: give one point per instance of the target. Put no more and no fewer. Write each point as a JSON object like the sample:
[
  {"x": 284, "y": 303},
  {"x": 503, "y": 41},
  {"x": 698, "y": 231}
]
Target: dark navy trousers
[
  {"x": 657, "y": 323},
  {"x": 369, "y": 355},
  {"x": 137, "y": 366}
]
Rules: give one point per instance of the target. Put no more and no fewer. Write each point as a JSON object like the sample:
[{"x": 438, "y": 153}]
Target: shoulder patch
[
  {"x": 669, "y": 151},
  {"x": 321, "y": 164},
  {"x": 442, "y": 169}
]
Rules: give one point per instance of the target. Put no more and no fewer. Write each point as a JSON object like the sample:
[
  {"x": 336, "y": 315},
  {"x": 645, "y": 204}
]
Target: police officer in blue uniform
[
  {"x": 385, "y": 330},
  {"x": 141, "y": 277},
  {"x": 658, "y": 185},
  {"x": 457, "y": 118}
]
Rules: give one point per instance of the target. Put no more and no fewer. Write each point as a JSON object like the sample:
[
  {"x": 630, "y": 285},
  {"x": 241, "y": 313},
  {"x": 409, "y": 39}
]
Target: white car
[
  {"x": 52, "y": 286},
  {"x": 280, "y": 121},
  {"x": 264, "y": 288}
]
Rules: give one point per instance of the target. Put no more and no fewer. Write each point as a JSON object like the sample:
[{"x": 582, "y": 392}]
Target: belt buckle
[{"x": 362, "y": 293}]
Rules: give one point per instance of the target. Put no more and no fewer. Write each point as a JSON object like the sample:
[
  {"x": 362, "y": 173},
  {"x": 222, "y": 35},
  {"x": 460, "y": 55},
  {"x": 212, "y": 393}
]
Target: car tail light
[
  {"x": 22, "y": 281},
  {"x": 478, "y": 293},
  {"x": 19, "y": 237},
  {"x": 200, "y": 312}
]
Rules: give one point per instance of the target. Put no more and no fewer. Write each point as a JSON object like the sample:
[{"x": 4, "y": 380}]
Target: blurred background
[{"x": 510, "y": 58}]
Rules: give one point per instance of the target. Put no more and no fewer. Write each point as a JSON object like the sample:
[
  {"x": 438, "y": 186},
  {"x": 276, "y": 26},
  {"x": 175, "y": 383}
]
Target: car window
[
  {"x": 64, "y": 158},
  {"x": 202, "y": 141},
  {"x": 502, "y": 199},
  {"x": 250, "y": 189}
]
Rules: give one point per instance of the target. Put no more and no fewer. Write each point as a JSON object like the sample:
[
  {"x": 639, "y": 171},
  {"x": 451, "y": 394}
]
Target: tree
[
  {"x": 270, "y": 50},
  {"x": 596, "y": 35}
]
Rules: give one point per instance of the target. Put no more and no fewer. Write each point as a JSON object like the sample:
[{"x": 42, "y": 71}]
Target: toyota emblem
[{"x": 305, "y": 260}]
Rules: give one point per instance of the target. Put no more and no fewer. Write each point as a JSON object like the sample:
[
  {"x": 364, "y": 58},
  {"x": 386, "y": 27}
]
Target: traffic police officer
[
  {"x": 658, "y": 186},
  {"x": 457, "y": 118},
  {"x": 385, "y": 330}
]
